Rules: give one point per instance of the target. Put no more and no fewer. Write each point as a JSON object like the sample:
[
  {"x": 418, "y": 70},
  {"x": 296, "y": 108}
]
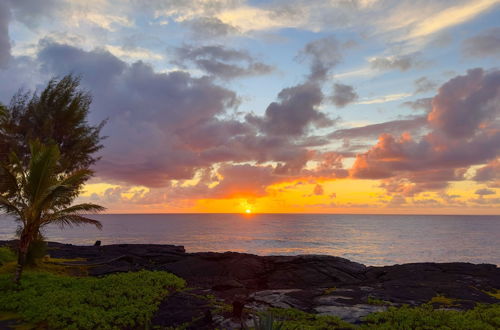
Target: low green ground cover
[
  {"x": 482, "y": 317},
  {"x": 126, "y": 300},
  {"x": 6, "y": 255},
  {"x": 49, "y": 298},
  {"x": 290, "y": 318}
]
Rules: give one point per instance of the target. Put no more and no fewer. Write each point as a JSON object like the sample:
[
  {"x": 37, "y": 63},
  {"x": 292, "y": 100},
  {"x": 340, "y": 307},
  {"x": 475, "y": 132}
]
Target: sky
[{"x": 308, "y": 106}]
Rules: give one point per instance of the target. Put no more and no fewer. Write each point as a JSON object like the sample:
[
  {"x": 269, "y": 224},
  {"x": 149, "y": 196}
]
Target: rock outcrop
[{"x": 312, "y": 283}]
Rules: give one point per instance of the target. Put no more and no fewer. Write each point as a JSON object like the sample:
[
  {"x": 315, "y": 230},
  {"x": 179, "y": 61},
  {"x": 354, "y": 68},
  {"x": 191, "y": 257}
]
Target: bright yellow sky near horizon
[{"x": 338, "y": 196}]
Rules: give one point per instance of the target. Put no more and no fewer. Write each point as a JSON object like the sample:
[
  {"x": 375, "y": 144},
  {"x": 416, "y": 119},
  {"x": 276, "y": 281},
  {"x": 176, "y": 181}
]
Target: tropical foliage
[
  {"x": 290, "y": 318},
  {"x": 6, "y": 255},
  {"x": 58, "y": 115},
  {"x": 482, "y": 317},
  {"x": 117, "y": 301},
  {"x": 38, "y": 194}
]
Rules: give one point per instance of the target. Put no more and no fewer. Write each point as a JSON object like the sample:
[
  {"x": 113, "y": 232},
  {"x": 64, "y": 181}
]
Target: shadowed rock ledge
[{"x": 312, "y": 283}]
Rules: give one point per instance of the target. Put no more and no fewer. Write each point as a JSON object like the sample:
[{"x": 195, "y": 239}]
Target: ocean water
[{"x": 368, "y": 239}]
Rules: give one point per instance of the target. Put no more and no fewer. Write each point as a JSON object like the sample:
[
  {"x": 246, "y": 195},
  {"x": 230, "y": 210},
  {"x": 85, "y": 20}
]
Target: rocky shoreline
[{"x": 312, "y": 283}]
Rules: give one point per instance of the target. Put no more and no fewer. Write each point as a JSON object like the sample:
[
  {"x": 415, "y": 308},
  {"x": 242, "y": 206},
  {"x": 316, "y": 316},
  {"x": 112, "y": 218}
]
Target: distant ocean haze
[{"x": 369, "y": 239}]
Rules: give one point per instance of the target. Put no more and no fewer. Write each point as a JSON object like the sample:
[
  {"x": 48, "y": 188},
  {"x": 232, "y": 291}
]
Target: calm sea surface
[{"x": 369, "y": 239}]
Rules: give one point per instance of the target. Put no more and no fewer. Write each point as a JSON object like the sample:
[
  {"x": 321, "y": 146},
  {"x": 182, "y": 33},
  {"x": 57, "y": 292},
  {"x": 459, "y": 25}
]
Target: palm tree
[{"x": 38, "y": 195}]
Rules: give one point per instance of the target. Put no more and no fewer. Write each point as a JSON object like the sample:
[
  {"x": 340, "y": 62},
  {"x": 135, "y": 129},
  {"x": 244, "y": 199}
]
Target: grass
[
  {"x": 482, "y": 317},
  {"x": 376, "y": 302},
  {"x": 8, "y": 261},
  {"x": 494, "y": 294},
  {"x": 442, "y": 300},
  {"x": 111, "y": 302},
  {"x": 329, "y": 290},
  {"x": 6, "y": 255},
  {"x": 290, "y": 318},
  {"x": 49, "y": 298}
]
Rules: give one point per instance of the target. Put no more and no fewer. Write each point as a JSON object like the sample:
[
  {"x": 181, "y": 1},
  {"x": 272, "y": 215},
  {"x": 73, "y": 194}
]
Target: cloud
[
  {"x": 449, "y": 17},
  {"x": 420, "y": 104},
  {"x": 243, "y": 181},
  {"x": 318, "y": 190},
  {"x": 145, "y": 108},
  {"x": 99, "y": 67},
  {"x": 489, "y": 173},
  {"x": 210, "y": 27},
  {"x": 5, "y": 46},
  {"x": 470, "y": 102},
  {"x": 413, "y": 183},
  {"x": 343, "y": 95},
  {"x": 23, "y": 73},
  {"x": 221, "y": 62},
  {"x": 184, "y": 123},
  {"x": 247, "y": 19},
  {"x": 294, "y": 113},
  {"x": 486, "y": 43},
  {"x": 31, "y": 12},
  {"x": 484, "y": 192},
  {"x": 424, "y": 85},
  {"x": 375, "y": 130},
  {"x": 396, "y": 62},
  {"x": 392, "y": 156},
  {"x": 323, "y": 54},
  {"x": 466, "y": 102},
  {"x": 385, "y": 98},
  {"x": 133, "y": 53},
  {"x": 485, "y": 201}
]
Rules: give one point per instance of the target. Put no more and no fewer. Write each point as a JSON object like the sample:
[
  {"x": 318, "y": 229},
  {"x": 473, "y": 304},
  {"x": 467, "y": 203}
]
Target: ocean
[{"x": 369, "y": 239}]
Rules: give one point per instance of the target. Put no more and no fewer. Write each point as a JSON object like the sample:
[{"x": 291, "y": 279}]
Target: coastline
[{"x": 317, "y": 284}]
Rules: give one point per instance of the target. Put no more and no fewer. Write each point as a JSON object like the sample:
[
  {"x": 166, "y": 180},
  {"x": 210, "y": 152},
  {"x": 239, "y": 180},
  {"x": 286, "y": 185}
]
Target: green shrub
[
  {"x": 266, "y": 321},
  {"x": 6, "y": 255},
  {"x": 376, "y": 302},
  {"x": 495, "y": 293},
  {"x": 482, "y": 317},
  {"x": 111, "y": 302},
  {"x": 37, "y": 250},
  {"x": 442, "y": 300},
  {"x": 290, "y": 318}
]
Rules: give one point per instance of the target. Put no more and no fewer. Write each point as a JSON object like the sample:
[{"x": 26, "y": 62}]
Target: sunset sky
[{"x": 339, "y": 106}]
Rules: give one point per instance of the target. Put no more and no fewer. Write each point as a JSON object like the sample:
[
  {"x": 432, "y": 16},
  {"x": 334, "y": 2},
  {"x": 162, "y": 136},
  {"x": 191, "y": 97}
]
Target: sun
[{"x": 248, "y": 211}]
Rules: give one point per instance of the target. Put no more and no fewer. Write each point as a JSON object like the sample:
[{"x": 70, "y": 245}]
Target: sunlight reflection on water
[{"x": 369, "y": 239}]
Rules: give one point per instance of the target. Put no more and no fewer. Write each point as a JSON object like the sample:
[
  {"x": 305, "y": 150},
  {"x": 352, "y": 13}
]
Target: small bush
[
  {"x": 6, "y": 255},
  {"x": 494, "y": 293},
  {"x": 442, "y": 300},
  {"x": 111, "y": 302},
  {"x": 377, "y": 302},
  {"x": 290, "y": 318},
  {"x": 482, "y": 317},
  {"x": 266, "y": 321}
]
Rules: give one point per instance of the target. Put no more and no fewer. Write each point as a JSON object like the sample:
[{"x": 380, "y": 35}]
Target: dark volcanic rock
[
  {"x": 419, "y": 282},
  {"x": 184, "y": 309},
  {"x": 313, "y": 283}
]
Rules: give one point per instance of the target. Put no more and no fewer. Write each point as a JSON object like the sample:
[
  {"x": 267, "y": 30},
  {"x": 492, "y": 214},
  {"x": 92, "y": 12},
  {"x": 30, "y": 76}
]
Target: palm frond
[
  {"x": 8, "y": 181},
  {"x": 78, "y": 210},
  {"x": 10, "y": 208},
  {"x": 41, "y": 169},
  {"x": 65, "y": 191},
  {"x": 70, "y": 220}
]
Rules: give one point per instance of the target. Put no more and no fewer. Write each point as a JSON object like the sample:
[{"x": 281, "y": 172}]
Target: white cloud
[
  {"x": 134, "y": 54},
  {"x": 385, "y": 98}
]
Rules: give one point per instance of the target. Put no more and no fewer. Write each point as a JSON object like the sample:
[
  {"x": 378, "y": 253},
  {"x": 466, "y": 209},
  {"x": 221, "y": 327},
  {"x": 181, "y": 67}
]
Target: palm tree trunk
[{"x": 24, "y": 243}]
